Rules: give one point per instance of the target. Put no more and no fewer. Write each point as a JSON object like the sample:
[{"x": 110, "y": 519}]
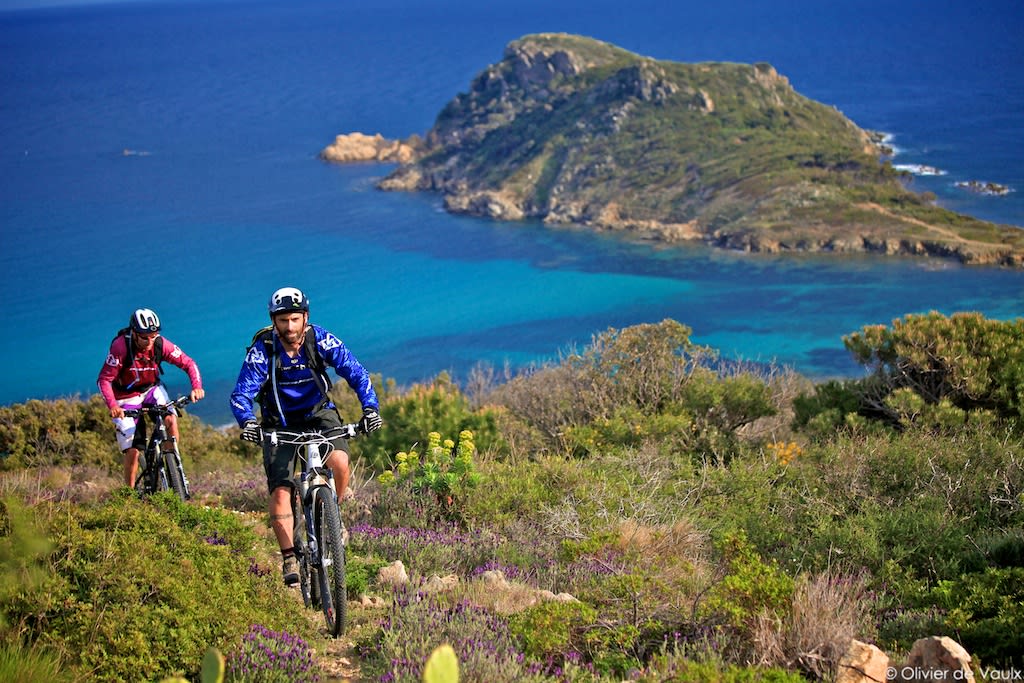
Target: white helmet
[
  {"x": 144, "y": 321},
  {"x": 288, "y": 300}
]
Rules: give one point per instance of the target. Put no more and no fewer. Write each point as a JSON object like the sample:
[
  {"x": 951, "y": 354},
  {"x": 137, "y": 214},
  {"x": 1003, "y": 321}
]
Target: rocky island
[
  {"x": 574, "y": 131},
  {"x": 984, "y": 187}
]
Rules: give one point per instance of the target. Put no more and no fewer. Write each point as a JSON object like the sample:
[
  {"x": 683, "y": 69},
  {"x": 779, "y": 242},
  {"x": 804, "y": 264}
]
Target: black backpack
[{"x": 265, "y": 336}]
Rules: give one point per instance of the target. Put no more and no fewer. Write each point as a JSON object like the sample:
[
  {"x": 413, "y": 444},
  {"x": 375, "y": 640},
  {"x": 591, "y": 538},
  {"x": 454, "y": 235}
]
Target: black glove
[
  {"x": 371, "y": 421},
  {"x": 251, "y": 431}
]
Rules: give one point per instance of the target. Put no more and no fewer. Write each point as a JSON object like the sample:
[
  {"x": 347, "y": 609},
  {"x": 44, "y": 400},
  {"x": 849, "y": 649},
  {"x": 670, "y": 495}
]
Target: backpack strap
[
  {"x": 317, "y": 367},
  {"x": 129, "y": 347}
]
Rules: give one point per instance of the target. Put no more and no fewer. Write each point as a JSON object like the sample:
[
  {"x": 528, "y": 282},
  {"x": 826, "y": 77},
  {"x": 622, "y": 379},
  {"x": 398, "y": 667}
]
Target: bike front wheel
[
  {"x": 175, "y": 475},
  {"x": 331, "y": 565}
]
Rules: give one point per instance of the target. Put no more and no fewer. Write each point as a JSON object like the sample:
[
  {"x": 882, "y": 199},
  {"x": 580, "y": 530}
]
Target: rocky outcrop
[
  {"x": 964, "y": 252},
  {"x": 499, "y": 205},
  {"x": 353, "y": 147},
  {"x": 863, "y": 663},
  {"x": 938, "y": 659},
  {"x": 930, "y": 659},
  {"x": 393, "y": 574},
  {"x": 984, "y": 187}
]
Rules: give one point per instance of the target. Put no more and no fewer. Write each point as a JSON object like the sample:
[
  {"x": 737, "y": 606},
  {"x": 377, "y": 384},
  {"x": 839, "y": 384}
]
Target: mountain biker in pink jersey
[{"x": 130, "y": 378}]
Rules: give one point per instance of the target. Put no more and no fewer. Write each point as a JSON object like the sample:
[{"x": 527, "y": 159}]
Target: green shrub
[
  {"x": 645, "y": 383},
  {"x": 511, "y": 491},
  {"x": 823, "y": 412},
  {"x": 1006, "y": 549},
  {"x": 139, "y": 590},
  {"x": 444, "y": 471},
  {"x": 550, "y": 629},
  {"x": 675, "y": 669},
  {"x": 751, "y": 587},
  {"x": 69, "y": 431},
  {"x": 430, "y": 549},
  {"x": 78, "y": 433},
  {"x": 965, "y": 359},
  {"x": 409, "y": 416},
  {"x": 613, "y": 648},
  {"x": 24, "y": 549},
  {"x": 360, "y": 572},
  {"x": 984, "y": 612}
]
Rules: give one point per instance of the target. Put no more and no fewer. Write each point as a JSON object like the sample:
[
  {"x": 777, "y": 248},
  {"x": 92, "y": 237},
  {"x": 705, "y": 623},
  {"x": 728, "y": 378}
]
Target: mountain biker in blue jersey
[{"x": 285, "y": 372}]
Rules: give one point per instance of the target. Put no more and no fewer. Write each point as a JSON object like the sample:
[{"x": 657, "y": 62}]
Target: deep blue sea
[{"x": 223, "y": 107}]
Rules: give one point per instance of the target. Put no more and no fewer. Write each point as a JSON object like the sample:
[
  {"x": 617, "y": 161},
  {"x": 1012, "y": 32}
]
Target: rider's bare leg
[
  {"x": 281, "y": 516},
  {"x": 131, "y": 465},
  {"x": 171, "y": 421},
  {"x": 338, "y": 462}
]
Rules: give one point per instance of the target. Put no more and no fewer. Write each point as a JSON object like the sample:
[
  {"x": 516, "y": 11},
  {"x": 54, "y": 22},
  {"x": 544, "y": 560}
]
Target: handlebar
[
  {"x": 314, "y": 436},
  {"x": 158, "y": 409}
]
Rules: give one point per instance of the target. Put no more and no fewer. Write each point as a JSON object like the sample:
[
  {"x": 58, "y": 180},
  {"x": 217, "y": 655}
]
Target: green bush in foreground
[{"x": 140, "y": 590}]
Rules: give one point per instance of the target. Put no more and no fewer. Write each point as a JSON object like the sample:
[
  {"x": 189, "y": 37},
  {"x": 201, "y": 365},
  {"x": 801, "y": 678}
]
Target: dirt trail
[
  {"x": 339, "y": 661},
  {"x": 337, "y": 658}
]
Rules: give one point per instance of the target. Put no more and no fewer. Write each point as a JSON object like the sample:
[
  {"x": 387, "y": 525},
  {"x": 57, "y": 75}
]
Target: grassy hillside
[
  {"x": 639, "y": 510},
  {"x": 572, "y": 130}
]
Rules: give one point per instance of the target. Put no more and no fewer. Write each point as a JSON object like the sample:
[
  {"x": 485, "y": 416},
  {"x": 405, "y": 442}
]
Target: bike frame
[
  {"x": 155, "y": 471},
  {"x": 313, "y": 498}
]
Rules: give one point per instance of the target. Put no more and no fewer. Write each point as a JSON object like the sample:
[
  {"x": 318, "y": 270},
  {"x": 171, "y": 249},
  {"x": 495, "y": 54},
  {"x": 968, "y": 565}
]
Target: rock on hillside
[{"x": 570, "y": 130}]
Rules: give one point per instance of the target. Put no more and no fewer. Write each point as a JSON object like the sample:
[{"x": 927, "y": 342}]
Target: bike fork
[{"x": 314, "y": 546}]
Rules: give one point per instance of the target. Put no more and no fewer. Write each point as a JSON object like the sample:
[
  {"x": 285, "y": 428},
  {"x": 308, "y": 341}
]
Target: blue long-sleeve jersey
[{"x": 296, "y": 391}]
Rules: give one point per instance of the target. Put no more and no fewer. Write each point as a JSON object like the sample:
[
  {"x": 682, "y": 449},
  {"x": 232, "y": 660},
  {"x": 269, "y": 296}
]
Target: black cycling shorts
[{"x": 277, "y": 459}]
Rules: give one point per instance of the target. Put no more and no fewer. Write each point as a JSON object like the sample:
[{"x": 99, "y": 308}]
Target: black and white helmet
[
  {"x": 144, "y": 321},
  {"x": 288, "y": 300}
]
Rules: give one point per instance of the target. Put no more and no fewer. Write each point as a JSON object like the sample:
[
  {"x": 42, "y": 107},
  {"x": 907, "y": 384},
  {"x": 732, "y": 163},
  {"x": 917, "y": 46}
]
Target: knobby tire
[
  {"x": 331, "y": 568},
  {"x": 153, "y": 478},
  {"x": 175, "y": 480}
]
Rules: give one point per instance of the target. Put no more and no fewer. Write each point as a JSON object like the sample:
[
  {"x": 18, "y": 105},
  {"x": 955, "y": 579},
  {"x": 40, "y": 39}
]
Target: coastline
[{"x": 358, "y": 147}]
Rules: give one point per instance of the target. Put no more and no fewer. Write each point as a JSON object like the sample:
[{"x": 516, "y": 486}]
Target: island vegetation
[
  {"x": 573, "y": 131},
  {"x": 638, "y": 510}
]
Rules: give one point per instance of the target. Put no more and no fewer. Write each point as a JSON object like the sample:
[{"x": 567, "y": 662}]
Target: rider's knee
[{"x": 341, "y": 458}]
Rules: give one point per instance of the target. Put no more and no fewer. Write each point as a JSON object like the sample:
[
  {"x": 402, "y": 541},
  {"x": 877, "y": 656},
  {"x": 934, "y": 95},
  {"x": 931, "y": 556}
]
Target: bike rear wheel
[
  {"x": 140, "y": 476},
  {"x": 175, "y": 475},
  {"x": 331, "y": 567}
]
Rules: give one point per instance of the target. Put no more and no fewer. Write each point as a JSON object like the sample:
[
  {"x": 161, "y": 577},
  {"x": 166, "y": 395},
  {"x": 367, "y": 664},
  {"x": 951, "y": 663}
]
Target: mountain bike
[
  {"x": 318, "y": 534},
  {"x": 160, "y": 465}
]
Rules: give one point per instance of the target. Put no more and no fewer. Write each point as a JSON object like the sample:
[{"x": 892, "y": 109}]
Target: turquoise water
[{"x": 224, "y": 200}]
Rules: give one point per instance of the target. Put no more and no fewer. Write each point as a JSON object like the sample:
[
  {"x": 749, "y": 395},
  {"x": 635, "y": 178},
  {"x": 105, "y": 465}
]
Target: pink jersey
[{"x": 123, "y": 377}]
